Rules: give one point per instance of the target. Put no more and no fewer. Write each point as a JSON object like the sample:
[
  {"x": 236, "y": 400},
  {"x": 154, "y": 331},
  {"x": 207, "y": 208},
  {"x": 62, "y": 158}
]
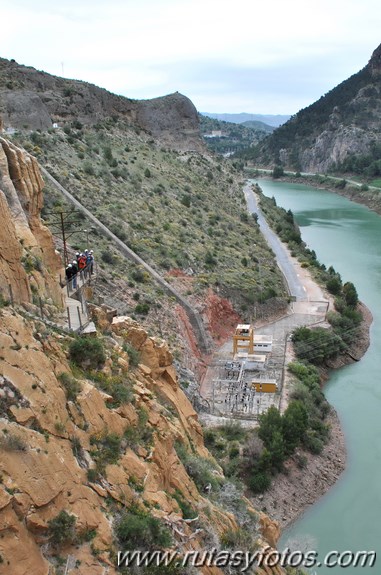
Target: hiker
[
  {"x": 88, "y": 262},
  {"x": 69, "y": 274},
  {"x": 81, "y": 263},
  {"x": 74, "y": 268},
  {"x": 91, "y": 262},
  {"x": 86, "y": 269}
]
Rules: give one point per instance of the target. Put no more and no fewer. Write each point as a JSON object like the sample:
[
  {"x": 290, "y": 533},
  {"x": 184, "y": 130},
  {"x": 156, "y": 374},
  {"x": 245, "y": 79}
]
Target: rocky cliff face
[
  {"x": 345, "y": 121},
  {"x": 31, "y": 99},
  {"x": 51, "y": 440},
  {"x": 85, "y": 443},
  {"x": 28, "y": 261}
]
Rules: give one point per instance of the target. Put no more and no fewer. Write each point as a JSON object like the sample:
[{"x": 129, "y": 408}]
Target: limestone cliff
[
  {"x": 28, "y": 261},
  {"x": 52, "y": 436},
  {"x": 342, "y": 123},
  {"x": 32, "y": 99}
]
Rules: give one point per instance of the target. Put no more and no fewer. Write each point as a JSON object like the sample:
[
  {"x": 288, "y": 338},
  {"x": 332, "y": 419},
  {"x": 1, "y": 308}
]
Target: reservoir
[{"x": 347, "y": 236}]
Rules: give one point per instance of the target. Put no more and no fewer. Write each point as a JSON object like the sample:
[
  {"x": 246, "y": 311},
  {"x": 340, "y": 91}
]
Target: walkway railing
[{"x": 82, "y": 278}]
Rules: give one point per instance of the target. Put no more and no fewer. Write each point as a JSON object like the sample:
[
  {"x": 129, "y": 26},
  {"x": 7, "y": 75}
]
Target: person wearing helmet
[
  {"x": 82, "y": 264},
  {"x": 74, "y": 268},
  {"x": 91, "y": 262},
  {"x": 69, "y": 274},
  {"x": 88, "y": 262}
]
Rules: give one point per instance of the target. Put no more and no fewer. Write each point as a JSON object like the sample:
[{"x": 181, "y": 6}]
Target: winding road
[{"x": 295, "y": 286}]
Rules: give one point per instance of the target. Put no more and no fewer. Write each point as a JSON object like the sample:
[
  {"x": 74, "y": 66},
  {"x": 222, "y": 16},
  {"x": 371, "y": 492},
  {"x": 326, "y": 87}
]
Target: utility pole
[{"x": 63, "y": 225}]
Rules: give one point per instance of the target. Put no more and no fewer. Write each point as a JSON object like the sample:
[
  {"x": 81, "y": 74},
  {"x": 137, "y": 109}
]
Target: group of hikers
[{"x": 84, "y": 263}]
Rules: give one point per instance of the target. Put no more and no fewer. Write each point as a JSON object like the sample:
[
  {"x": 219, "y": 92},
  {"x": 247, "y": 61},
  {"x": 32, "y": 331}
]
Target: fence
[
  {"x": 75, "y": 317},
  {"x": 80, "y": 279}
]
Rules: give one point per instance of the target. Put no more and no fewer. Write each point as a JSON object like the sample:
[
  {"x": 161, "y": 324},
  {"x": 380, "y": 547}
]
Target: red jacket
[{"x": 81, "y": 262}]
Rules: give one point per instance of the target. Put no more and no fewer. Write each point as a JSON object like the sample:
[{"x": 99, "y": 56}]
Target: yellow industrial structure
[
  {"x": 243, "y": 339},
  {"x": 265, "y": 386}
]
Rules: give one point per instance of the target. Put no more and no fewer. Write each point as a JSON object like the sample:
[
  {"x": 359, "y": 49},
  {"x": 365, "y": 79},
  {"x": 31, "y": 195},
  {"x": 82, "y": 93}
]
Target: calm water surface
[{"x": 348, "y": 237}]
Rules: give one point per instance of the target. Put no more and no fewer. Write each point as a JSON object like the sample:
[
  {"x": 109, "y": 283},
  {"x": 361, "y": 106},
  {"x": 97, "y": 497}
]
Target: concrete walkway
[{"x": 75, "y": 304}]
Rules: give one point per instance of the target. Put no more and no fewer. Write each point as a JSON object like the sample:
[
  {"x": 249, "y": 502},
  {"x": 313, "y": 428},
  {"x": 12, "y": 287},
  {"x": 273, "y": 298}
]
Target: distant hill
[
  {"x": 32, "y": 99},
  {"x": 270, "y": 119},
  {"x": 142, "y": 168},
  {"x": 340, "y": 132},
  {"x": 256, "y": 125},
  {"x": 228, "y": 138}
]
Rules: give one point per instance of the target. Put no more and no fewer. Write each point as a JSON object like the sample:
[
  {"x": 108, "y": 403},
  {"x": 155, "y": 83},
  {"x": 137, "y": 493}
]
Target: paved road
[
  {"x": 294, "y": 284},
  {"x": 334, "y": 178}
]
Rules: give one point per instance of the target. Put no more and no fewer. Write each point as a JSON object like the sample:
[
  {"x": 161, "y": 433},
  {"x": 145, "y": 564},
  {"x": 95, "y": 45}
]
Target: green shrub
[
  {"x": 136, "y": 529},
  {"x": 234, "y": 450},
  {"x": 108, "y": 449},
  {"x": 259, "y": 482},
  {"x": 313, "y": 443},
  {"x": 138, "y": 275},
  {"x": 3, "y": 302},
  {"x": 210, "y": 261},
  {"x": 186, "y": 200},
  {"x": 340, "y": 185},
  {"x": 277, "y": 172},
  {"x": 232, "y": 431},
  {"x": 350, "y": 294},
  {"x": 142, "y": 308},
  {"x": 92, "y": 475},
  {"x": 186, "y": 509},
  {"x": 118, "y": 386},
  {"x": 107, "y": 257},
  {"x": 236, "y": 539},
  {"x": 87, "y": 352},
  {"x": 72, "y": 386},
  {"x": 316, "y": 345},
  {"x": 133, "y": 354},
  {"x": 62, "y": 528},
  {"x": 140, "y": 434},
  {"x": 13, "y": 442},
  {"x": 334, "y": 285},
  {"x": 201, "y": 471},
  {"x": 294, "y": 425}
]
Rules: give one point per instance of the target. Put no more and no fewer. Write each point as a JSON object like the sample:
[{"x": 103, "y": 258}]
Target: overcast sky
[{"x": 256, "y": 56}]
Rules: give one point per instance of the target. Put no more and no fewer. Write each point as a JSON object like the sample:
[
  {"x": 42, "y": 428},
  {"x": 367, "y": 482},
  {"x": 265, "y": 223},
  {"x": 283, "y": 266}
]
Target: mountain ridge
[
  {"x": 343, "y": 122},
  {"x": 273, "y": 120},
  {"x": 35, "y": 100}
]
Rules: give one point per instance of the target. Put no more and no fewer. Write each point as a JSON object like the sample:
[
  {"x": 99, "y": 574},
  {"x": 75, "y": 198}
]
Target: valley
[{"x": 126, "y": 429}]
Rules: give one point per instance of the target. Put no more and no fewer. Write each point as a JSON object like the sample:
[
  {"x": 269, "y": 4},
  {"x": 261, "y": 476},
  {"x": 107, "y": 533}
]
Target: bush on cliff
[
  {"x": 136, "y": 529},
  {"x": 62, "y": 528},
  {"x": 87, "y": 352}
]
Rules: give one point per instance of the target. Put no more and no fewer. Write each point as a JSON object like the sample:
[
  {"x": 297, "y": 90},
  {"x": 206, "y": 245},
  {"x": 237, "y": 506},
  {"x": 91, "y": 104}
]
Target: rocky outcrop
[
  {"x": 27, "y": 258},
  {"x": 342, "y": 123},
  {"x": 173, "y": 120},
  {"x": 48, "y": 446},
  {"x": 35, "y": 100}
]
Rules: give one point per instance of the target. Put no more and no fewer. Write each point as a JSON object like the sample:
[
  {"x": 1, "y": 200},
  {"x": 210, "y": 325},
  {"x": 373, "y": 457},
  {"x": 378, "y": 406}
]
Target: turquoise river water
[{"x": 348, "y": 518}]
